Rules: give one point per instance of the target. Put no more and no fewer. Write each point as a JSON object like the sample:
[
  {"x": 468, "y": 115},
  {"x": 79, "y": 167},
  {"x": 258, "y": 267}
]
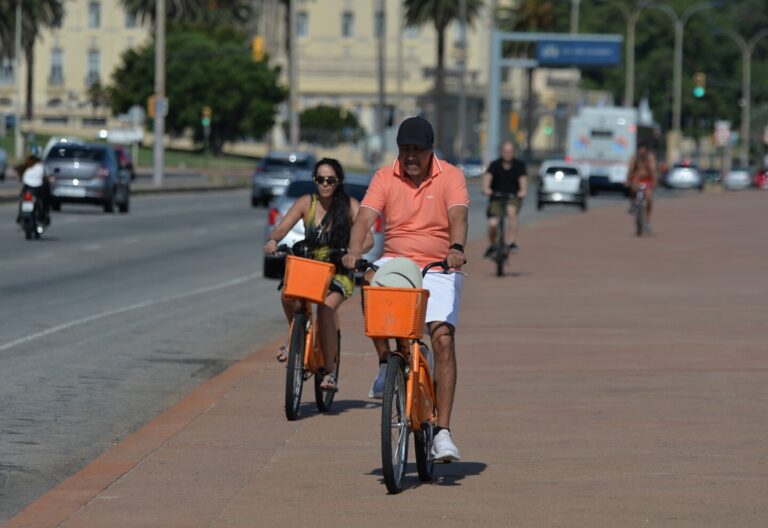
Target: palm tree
[
  {"x": 195, "y": 12},
  {"x": 440, "y": 13},
  {"x": 35, "y": 15}
]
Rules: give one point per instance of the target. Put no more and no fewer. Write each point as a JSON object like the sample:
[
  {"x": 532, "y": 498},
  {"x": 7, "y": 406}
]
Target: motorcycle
[{"x": 31, "y": 215}]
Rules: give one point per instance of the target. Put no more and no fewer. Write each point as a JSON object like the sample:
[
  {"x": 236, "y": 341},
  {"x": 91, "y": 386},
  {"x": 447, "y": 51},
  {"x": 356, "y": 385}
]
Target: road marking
[
  {"x": 137, "y": 306},
  {"x": 92, "y": 247},
  {"x": 131, "y": 240}
]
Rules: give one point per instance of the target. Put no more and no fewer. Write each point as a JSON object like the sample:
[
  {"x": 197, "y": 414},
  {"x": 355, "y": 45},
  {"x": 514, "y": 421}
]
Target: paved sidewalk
[{"x": 610, "y": 382}]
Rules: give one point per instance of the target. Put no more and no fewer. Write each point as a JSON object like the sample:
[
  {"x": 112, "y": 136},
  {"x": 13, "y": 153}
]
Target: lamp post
[
  {"x": 160, "y": 103},
  {"x": 293, "y": 79},
  {"x": 19, "y": 139},
  {"x": 747, "y": 47},
  {"x": 679, "y": 22},
  {"x": 575, "y": 16},
  {"x": 462, "y": 110}
]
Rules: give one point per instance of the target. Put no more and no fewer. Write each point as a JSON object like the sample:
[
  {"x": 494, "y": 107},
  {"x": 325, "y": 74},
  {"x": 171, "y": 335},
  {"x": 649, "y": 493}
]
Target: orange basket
[
  {"x": 395, "y": 312},
  {"x": 307, "y": 279}
]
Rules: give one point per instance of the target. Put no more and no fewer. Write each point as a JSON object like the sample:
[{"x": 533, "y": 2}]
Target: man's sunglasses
[{"x": 329, "y": 180}]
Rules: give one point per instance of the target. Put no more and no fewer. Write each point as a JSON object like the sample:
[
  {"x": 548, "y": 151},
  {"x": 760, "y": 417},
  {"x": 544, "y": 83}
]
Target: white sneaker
[
  {"x": 377, "y": 389},
  {"x": 443, "y": 448}
]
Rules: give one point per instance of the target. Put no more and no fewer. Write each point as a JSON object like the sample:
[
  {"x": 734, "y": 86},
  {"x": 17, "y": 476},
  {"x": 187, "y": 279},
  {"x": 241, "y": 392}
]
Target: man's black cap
[{"x": 416, "y": 131}]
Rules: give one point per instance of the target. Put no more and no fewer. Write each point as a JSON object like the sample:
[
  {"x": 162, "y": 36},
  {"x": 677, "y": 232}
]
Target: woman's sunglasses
[{"x": 329, "y": 180}]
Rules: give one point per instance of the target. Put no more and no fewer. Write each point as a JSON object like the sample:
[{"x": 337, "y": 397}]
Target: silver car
[
  {"x": 685, "y": 175},
  {"x": 561, "y": 182},
  {"x": 737, "y": 178},
  {"x": 472, "y": 167},
  {"x": 355, "y": 185},
  {"x": 87, "y": 174},
  {"x": 274, "y": 172}
]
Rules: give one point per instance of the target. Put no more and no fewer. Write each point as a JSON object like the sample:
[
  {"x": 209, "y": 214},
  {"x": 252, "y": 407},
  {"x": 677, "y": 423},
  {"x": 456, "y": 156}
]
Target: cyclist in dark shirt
[{"x": 505, "y": 175}]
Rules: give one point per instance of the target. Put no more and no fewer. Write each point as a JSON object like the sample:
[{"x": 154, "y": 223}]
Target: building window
[
  {"x": 6, "y": 71},
  {"x": 379, "y": 22},
  {"x": 94, "y": 14},
  {"x": 94, "y": 65},
  {"x": 57, "y": 67},
  {"x": 411, "y": 32},
  {"x": 130, "y": 20},
  {"x": 347, "y": 24},
  {"x": 302, "y": 24}
]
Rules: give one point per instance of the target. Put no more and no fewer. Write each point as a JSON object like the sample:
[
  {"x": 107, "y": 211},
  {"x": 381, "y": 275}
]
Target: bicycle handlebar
[
  {"x": 364, "y": 265},
  {"x": 300, "y": 249}
]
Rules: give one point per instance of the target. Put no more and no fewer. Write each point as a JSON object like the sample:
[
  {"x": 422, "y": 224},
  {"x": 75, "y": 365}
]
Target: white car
[
  {"x": 561, "y": 182},
  {"x": 737, "y": 178},
  {"x": 685, "y": 175}
]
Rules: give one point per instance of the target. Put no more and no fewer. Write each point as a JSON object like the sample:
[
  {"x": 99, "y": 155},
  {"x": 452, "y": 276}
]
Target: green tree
[
  {"x": 36, "y": 15},
  {"x": 329, "y": 125},
  {"x": 200, "y": 13},
  {"x": 439, "y": 13},
  {"x": 204, "y": 71}
]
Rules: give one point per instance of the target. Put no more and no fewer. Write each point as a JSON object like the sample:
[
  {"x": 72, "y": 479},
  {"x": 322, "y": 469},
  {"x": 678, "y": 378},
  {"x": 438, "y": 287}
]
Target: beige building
[{"x": 85, "y": 50}]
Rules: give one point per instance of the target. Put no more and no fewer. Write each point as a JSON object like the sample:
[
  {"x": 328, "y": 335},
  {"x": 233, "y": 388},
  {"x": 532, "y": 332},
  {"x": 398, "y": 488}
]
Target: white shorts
[{"x": 444, "y": 295}]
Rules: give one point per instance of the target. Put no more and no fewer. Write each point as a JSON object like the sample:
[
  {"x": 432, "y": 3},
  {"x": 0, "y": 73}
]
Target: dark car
[
  {"x": 274, "y": 172},
  {"x": 88, "y": 174},
  {"x": 124, "y": 159}
]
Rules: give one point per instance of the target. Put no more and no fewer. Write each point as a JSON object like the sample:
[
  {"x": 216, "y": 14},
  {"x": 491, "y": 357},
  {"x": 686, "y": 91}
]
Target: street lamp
[
  {"x": 679, "y": 22},
  {"x": 630, "y": 16},
  {"x": 575, "y": 16},
  {"x": 747, "y": 47},
  {"x": 19, "y": 140}
]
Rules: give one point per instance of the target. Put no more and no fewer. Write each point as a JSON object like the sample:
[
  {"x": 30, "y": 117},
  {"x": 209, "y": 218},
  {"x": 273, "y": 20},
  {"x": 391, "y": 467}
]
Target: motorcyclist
[{"x": 33, "y": 178}]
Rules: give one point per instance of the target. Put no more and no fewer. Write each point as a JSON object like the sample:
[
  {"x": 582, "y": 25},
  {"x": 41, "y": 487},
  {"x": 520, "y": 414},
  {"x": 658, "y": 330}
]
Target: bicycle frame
[
  {"x": 420, "y": 392},
  {"x": 313, "y": 357}
]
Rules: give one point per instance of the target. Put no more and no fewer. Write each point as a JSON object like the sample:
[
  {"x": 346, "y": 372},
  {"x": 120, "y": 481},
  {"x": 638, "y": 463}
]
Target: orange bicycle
[
  {"x": 306, "y": 280},
  {"x": 409, "y": 403}
]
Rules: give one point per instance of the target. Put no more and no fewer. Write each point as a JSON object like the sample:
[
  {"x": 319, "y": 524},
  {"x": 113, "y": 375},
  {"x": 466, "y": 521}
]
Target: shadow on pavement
[
  {"x": 308, "y": 409},
  {"x": 444, "y": 475}
]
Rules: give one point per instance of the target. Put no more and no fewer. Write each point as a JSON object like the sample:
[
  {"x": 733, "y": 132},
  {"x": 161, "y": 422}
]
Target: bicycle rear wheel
[
  {"x": 501, "y": 248},
  {"x": 394, "y": 426},
  {"x": 640, "y": 218},
  {"x": 294, "y": 375},
  {"x": 324, "y": 399}
]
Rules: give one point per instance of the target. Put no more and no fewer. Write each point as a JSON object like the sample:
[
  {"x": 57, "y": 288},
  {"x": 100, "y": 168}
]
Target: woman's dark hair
[{"x": 338, "y": 213}]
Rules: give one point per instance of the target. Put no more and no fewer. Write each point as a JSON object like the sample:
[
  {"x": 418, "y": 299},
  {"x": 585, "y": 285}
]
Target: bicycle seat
[{"x": 400, "y": 272}]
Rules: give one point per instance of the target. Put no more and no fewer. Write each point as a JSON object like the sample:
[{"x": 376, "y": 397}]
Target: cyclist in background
[
  {"x": 328, "y": 216},
  {"x": 642, "y": 170},
  {"x": 424, "y": 202},
  {"x": 505, "y": 175}
]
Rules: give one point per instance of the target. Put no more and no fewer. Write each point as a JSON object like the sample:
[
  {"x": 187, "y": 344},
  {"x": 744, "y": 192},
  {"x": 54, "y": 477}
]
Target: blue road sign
[{"x": 578, "y": 52}]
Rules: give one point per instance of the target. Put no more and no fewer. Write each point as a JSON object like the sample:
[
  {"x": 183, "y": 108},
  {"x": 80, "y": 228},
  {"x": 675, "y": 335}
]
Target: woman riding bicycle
[
  {"x": 328, "y": 216},
  {"x": 642, "y": 171}
]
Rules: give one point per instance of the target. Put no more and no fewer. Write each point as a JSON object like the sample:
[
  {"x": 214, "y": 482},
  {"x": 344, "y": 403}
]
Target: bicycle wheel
[
  {"x": 394, "y": 426},
  {"x": 501, "y": 248},
  {"x": 324, "y": 399},
  {"x": 640, "y": 218},
  {"x": 294, "y": 374},
  {"x": 422, "y": 443}
]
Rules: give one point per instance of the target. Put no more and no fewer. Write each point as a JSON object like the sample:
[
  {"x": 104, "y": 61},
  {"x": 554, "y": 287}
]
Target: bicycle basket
[
  {"x": 307, "y": 279},
  {"x": 395, "y": 312}
]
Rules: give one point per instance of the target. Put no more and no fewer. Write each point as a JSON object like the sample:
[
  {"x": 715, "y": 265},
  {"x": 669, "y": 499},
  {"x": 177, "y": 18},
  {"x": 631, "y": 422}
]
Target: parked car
[
  {"x": 561, "y": 182},
  {"x": 88, "y": 174},
  {"x": 685, "y": 175},
  {"x": 761, "y": 179},
  {"x": 737, "y": 178},
  {"x": 125, "y": 159},
  {"x": 3, "y": 163},
  {"x": 355, "y": 185},
  {"x": 274, "y": 172},
  {"x": 472, "y": 166}
]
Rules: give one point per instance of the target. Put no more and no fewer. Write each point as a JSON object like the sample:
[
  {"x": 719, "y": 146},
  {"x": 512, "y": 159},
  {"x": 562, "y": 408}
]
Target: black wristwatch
[{"x": 457, "y": 247}]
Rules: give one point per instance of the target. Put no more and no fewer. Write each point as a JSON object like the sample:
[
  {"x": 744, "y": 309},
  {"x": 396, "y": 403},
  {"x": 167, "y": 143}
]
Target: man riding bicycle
[
  {"x": 642, "y": 171},
  {"x": 424, "y": 202},
  {"x": 506, "y": 175}
]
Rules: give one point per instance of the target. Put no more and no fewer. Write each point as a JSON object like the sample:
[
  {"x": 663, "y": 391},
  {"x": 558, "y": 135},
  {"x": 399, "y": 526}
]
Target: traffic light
[
  {"x": 206, "y": 116},
  {"x": 514, "y": 121},
  {"x": 549, "y": 126},
  {"x": 151, "y": 105},
  {"x": 699, "y": 84},
  {"x": 257, "y": 48}
]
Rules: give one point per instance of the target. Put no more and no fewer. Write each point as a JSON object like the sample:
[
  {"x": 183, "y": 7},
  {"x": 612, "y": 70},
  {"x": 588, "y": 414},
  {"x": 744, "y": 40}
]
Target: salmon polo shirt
[{"x": 416, "y": 218}]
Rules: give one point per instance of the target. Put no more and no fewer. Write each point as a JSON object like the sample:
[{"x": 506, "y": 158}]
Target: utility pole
[
  {"x": 161, "y": 104},
  {"x": 380, "y": 33},
  {"x": 462, "y": 111},
  {"x": 293, "y": 69},
  {"x": 19, "y": 139},
  {"x": 575, "y": 16},
  {"x": 399, "y": 83},
  {"x": 492, "y": 121}
]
